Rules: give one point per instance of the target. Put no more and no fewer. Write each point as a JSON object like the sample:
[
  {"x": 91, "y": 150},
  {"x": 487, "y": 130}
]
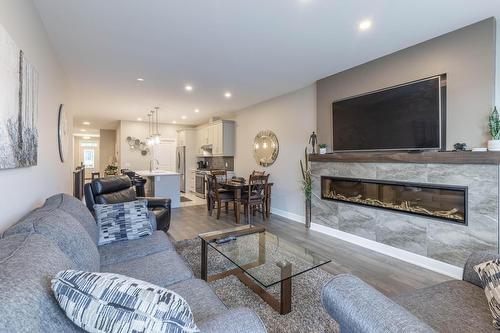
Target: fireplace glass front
[{"x": 445, "y": 202}]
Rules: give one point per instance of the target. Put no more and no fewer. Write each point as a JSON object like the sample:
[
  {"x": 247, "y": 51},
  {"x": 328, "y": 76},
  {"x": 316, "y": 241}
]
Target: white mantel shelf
[{"x": 428, "y": 157}]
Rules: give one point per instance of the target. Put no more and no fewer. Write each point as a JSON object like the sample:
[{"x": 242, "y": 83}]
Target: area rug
[{"x": 307, "y": 313}]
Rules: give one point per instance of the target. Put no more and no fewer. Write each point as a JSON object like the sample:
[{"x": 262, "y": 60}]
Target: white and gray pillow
[
  {"x": 489, "y": 273},
  {"x": 122, "y": 221},
  {"x": 107, "y": 302}
]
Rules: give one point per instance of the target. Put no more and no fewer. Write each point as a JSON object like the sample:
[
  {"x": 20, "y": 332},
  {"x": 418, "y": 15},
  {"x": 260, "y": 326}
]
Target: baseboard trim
[
  {"x": 412, "y": 258},
  {"x": 288, "y": 215}
]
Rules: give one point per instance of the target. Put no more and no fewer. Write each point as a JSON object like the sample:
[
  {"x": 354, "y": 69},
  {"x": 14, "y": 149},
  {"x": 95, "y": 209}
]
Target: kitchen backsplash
[{"x": 219, "y": 162}]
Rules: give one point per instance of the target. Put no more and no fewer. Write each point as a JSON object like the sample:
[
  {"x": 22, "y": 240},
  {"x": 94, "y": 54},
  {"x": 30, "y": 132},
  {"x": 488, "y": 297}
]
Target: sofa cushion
[
  {"x": 77, "y": 209},
  {"x": 162, "y": 268},
  {"x": 123, "y": 221},
  {"x": 203, "y": 301},
  {"x": 99, "y": 302},
  {"x": 65, "y": 231},
  {"x": 116, "y": 252},
  {"x": 27, "y": 264},
  {"x": 489, "y": 272},
  {"x": 453, "y": 306}
]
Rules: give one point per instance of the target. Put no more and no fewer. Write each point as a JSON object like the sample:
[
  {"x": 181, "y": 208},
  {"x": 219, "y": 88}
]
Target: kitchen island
[{"x": 165, "y": 184}]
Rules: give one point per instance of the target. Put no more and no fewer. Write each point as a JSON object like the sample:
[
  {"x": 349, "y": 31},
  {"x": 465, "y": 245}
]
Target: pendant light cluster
[{"x": 154, "y": 127}]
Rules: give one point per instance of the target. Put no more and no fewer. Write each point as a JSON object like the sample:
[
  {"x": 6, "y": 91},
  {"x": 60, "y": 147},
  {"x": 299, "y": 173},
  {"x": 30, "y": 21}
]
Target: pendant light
[
  {"x": 157, "y": 134},
  {"x": 149, "y": 139}
]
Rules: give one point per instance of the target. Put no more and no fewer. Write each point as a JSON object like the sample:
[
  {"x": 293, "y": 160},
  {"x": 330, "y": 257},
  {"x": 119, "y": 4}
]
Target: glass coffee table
[{"x": 262, "y": 260}]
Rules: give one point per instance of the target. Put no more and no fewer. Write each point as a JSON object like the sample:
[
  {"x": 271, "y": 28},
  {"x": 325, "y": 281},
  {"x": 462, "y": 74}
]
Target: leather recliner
[{"x": 115, "y": 189}]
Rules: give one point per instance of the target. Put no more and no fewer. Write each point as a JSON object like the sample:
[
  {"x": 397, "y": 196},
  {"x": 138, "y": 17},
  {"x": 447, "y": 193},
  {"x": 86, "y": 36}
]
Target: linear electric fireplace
[{"x": 444, "y": 202}]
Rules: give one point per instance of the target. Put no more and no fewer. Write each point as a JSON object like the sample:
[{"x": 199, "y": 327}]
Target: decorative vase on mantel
[
  {"x": 308, "y": 213},
  {"x": 306, "y": 181}
]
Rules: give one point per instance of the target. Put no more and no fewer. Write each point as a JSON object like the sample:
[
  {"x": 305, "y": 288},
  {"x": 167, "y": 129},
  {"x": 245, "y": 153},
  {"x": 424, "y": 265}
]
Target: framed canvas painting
[{"x": 18, "y": 106}]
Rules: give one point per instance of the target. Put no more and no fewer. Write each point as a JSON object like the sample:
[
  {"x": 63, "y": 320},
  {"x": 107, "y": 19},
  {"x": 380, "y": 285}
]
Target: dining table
[{"x": 237, "y": 187}]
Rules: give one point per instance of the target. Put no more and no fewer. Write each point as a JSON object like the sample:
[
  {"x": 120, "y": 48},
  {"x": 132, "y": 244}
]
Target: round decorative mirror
[
  {"x": 62, "y": 133},
  {"x": 265, "y": 148}
]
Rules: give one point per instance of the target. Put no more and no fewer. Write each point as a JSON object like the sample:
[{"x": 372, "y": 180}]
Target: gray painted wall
[
  {"x": 466, "y": 55},
  {"x": 292, "y": 118},
  {"x": 27, "y": 188}
]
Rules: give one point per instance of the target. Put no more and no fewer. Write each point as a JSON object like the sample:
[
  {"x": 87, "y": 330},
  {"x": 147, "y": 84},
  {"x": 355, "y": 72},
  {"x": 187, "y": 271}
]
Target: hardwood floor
[{"x": 390, "y": 276}]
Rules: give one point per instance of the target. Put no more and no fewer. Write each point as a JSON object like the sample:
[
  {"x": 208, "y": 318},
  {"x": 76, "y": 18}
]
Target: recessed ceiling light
[
  {"x": 140, "y": 79},
  {"x": 174, "y": 122},
  {"x": 183, "y": 117},
  {"x": 227, "y": 94},
  {"x": 86, "y": 137},
  {"x": 188, "y": 87},
  {"x": 139, "y": 119},
  {"x": 86, "y": 123},
  {"x": 196, "y": 110},
  {"x": 365, "y": 25},
  {"x": 83, "y": 130}
]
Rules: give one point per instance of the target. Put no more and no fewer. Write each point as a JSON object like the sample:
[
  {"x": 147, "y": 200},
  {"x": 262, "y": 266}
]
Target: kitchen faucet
[{"x": 151, "y": 164}]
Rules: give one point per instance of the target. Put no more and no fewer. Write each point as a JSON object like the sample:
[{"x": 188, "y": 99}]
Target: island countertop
[{"x": 147, "y": 173}]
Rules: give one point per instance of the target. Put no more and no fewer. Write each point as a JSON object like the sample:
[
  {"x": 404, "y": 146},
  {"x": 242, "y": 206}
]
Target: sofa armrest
[
  {"x": 157, "y": 201},
  {"x": 474, "y": 259},
  {"x": 358, "y": 307},
  {"x": 239, "y": 320}
]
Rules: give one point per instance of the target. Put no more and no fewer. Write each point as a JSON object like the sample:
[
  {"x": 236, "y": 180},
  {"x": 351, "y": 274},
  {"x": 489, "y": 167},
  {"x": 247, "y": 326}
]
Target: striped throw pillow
[
  {"x": 122, "y": 221},
  {"x": 107, "y": 302},
  {"x": 489, "y": 273}
]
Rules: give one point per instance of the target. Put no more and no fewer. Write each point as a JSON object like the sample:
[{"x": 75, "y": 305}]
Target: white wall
[
  {"x": 24, "y": 189},
  {"x": 497, "y": 76},
  {"x": 132, "y": 159},
  {"x": 292, "y": 117}
]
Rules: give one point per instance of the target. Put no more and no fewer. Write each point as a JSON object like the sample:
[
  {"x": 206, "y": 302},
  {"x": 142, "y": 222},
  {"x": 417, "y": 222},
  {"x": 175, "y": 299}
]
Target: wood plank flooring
[{"x": 390, "y": 276}]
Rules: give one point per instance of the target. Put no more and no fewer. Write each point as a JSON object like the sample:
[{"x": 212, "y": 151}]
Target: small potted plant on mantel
[
  {"x": 322, "y": 148},
  {"x": 494, "y": 127}
]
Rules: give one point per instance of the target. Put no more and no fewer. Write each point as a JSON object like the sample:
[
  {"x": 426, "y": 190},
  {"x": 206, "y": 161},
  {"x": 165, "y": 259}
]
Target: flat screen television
[{"x": 409, "y": 116}]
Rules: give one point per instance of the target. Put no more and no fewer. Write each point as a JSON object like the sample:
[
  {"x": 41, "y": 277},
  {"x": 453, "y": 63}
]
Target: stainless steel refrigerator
[{"x": 181, "y": 165}]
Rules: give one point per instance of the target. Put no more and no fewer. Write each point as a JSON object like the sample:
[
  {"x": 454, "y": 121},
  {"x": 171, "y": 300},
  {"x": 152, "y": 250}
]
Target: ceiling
[{"x": 256, "y": 49}]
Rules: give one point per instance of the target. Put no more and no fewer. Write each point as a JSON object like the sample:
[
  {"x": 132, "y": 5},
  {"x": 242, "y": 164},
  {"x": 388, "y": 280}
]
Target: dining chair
[
  {"x": 221, "y": 174},
  {"x": 255, "y": 197},
  {"x": 258, "y": 173},
  {"x": 216, "y": 197}
]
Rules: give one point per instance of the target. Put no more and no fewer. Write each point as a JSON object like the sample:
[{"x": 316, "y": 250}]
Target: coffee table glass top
[{"x": 265, "y": 257}]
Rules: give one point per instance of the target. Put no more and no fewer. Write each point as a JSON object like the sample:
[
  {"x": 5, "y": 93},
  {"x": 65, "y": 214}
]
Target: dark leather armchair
[{"x": 114, "y": 189}]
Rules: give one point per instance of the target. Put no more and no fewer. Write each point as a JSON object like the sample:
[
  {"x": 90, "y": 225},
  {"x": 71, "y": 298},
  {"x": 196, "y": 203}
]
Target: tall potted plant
[
  {"x": 494, "y": 127},
  {"x": 306, "y": 186}
]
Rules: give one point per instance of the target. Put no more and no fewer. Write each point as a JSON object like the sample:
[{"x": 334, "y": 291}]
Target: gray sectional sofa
[
  {"x": 62, "y": 234},
  {"x": 453, "y": 306}
]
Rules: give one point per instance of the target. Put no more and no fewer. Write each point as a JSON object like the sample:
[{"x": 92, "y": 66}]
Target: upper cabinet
[{"x": 219, "y": 136}]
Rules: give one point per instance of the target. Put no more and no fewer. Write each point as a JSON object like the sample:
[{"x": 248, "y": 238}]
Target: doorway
[{"x": 88, "y": 155}]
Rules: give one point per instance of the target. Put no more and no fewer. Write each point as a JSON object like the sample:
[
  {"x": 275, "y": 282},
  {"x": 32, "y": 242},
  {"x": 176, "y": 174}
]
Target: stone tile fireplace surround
[{"x": 433, "y": 238}]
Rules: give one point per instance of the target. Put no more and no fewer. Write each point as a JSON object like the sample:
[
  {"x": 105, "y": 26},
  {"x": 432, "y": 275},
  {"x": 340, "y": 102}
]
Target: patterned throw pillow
[
  {"x": 107, "y": 302},
  {"x": 489, "y": 273},
  {"x": 122, "y": 221}
]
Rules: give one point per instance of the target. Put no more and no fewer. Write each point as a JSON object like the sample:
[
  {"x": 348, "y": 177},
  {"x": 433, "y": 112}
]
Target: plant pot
[
  {"x": 322, "y": 151},
  {"x": 494, "y": 145},
  {"x": 308, "y": 213}
]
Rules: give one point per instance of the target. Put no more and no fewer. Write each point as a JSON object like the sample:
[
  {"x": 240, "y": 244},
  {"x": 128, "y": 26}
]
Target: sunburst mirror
[{"x": 265, "y": 148}]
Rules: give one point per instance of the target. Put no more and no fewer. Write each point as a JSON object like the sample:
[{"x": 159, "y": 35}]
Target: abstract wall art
[{"x": 18, "y": 106}]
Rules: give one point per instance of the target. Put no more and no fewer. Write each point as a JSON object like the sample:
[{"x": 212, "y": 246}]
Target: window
[{"x": 88, "y": 158}]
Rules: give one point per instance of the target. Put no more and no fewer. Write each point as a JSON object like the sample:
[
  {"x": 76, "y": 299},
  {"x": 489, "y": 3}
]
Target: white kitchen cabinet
[
  {"x": 220, "y": 135},
  {"x": 224, "y": 138},
  {"x": 192, "y": 180},
  {"x": 181, "y": 138}
]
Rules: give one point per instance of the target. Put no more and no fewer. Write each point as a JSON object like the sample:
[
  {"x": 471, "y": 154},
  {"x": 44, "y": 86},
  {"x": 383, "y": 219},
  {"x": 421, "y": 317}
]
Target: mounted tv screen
[{"x": 404, "y": 117}]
